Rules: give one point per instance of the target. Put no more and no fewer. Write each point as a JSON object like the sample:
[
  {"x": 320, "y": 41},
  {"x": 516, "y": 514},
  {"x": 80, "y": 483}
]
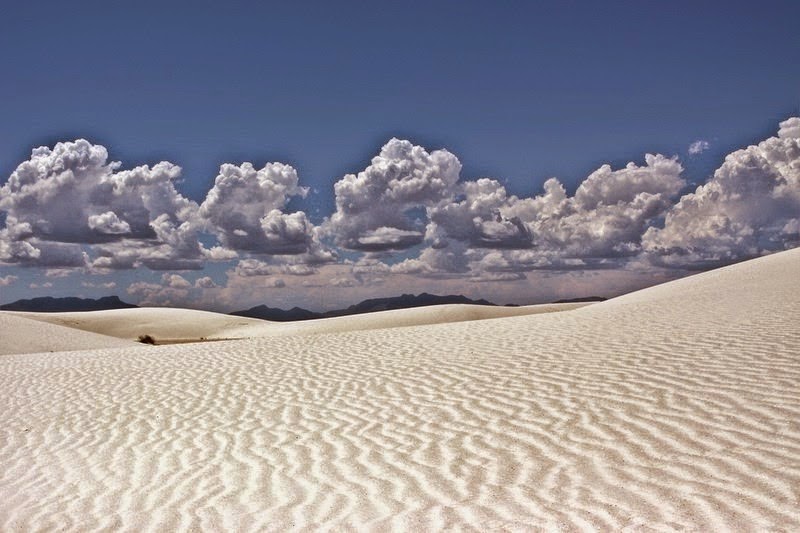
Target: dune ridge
[
  {"x": 673, "y": 408},
  {"x": 174, "y": 324}
]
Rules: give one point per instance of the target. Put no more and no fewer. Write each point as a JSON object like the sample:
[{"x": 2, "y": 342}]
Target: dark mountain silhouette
[
  {"x": 406, "y": 301},
  {"x": 48, "y": 304},
  {"x": 278, "y": 315}
]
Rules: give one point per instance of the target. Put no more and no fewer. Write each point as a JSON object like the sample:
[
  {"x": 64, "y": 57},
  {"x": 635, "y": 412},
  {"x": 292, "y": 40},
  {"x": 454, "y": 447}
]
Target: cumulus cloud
[
  {"x": 62, "y": 201},
  {"x": 5, "y": 281},
  {"x": 108, "y": 223},
  {"x": 245, "y": 206},
  {"x": 789, "y": 128},
  {"x": 205, "y": 283},
  {"x": 173, "y": 290},
  {"x": 698, "y": 147},
  {"x": 386, "y": 238},
  {"x": 248, "y": 268},
  {"x": 375, "y": 208},
  {"x": 408, "y": 213},
  {"x": 45, "y": 285},
  {"x": 749, "y": 207},
  {"x": 175, "y": 281},
  {"x": 476, "y": 216},
  {"x": 604, "y": 220}
]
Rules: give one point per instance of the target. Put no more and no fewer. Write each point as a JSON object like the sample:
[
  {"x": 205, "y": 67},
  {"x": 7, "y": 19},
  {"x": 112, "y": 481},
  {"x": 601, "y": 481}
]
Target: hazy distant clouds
[{"x": 409, "y": 213}]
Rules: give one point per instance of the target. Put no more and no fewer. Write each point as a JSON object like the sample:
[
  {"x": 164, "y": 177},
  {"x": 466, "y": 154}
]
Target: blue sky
[{"x": 519, "y": 92}]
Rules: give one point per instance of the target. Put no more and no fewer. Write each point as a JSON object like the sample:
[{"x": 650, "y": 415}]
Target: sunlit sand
[{"x": 672, "y": 408}]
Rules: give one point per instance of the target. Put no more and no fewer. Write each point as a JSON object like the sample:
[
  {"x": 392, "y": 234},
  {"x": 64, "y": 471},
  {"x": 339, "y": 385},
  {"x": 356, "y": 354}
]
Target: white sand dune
[
  {"x": 420, "y": 316},
  {"x": 20, "y": 334},
  {"x": 673, "y": 408},
  {"x": 175, "y": 325},
  {"x": 167, "y": 324}
]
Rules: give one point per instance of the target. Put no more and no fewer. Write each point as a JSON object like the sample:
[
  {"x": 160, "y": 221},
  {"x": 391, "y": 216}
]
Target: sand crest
[{"x": 673, "y": 408}]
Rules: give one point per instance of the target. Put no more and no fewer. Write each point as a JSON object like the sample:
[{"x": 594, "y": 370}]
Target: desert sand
[
  {"x": 20, "y": 334},
  {"x": 672, "y": 408},
  {"x": 171, "y": 325}
]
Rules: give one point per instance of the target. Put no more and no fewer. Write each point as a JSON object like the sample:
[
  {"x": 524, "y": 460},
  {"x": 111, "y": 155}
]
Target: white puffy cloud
[
  {"x": 749, "y": 207},
  {"x": 659, "y": 177},
  {"x": 475, "y": 216},
  {"x": 385, "y": 237},
  {"x": 375, "y": 208},
  {"x": 108, "y": 223},
  {"x": 219, "y": 253},
  {"x": 5, "y": 281},
  {"x": 175, "y": 281},
  {"x": 789, "y": 128},
  {"x": 94, "y": 285},
  {"x": 69, "y": 209},
  {"x": 698, "y": 147},
  {"x": 173, "y": 291},
  {"x": 286, "y": 233},
  {"x": 64, "y": 201},
  {"x": 792, "y": 228},
  {"x": 18, "y": 244},
  {"x": 603, "y": 221},
  {"x": 204, "y": 283},
  {"x": 175, "y": 248},
  {"x": 245, "y": 206},
  {"x": 248, "y": 268}
]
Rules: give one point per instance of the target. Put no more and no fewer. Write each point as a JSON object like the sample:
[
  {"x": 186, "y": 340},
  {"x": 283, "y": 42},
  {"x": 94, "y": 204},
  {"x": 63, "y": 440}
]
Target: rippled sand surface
[{"x": 673, "y": 408}]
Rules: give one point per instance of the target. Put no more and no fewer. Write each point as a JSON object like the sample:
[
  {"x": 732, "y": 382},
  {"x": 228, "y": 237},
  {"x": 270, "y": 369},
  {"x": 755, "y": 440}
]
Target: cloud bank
[{"x": 408, "y": 213}]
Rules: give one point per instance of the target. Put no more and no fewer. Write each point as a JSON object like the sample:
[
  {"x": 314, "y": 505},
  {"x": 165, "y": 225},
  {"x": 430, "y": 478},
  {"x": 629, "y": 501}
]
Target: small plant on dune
[{"x": 146, "y": 339}]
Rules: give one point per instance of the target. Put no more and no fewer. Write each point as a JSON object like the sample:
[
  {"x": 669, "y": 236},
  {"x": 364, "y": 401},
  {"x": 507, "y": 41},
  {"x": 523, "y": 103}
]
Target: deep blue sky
[{"x": 518, "y": 90}]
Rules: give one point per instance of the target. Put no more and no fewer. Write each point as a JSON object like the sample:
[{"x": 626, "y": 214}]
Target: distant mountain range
[
  {"x": 48, "y": 304},
  {"x": 406, "y": 301}
]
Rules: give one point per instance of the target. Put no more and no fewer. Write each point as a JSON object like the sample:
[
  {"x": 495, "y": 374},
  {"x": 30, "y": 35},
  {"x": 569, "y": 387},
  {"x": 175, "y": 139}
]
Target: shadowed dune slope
[
  {"x": 673, "y": 408},
  {"x": 19, "y": 334}
]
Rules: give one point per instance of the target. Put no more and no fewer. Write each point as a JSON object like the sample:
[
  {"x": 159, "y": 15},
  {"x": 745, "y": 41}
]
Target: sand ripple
[{"x": 676, "y": 408}]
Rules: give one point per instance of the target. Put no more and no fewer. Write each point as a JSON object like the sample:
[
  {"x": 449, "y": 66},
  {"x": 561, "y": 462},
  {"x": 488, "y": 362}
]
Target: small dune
[{"x": 21, "y": 334}]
